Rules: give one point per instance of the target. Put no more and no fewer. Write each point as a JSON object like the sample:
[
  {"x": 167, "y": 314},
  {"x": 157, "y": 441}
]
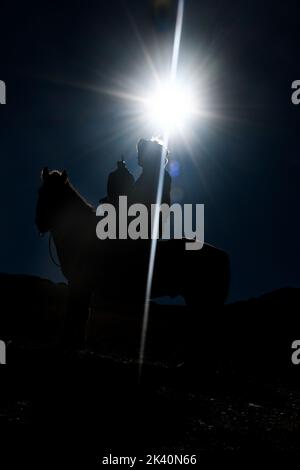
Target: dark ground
[{"x": 216, "y": 383}]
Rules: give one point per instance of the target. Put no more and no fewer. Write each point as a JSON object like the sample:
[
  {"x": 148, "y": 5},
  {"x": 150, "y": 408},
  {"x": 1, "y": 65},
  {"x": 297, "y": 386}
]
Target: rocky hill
[{"x": 213, "y": 381}]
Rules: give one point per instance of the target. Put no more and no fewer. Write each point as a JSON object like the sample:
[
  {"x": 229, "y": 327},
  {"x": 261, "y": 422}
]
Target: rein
[{"x": 50, "y": 252}]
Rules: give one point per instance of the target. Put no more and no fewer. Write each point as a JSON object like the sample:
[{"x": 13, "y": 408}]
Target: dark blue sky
[{"x": 245, "y": 168}]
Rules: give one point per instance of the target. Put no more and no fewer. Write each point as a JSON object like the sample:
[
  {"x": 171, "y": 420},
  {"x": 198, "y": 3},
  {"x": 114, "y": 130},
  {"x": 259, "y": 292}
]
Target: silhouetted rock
[
  {"x": 254, "y": 335},
  {"x": 31, "y": 307},
  {"x": 262, "y": 331}
]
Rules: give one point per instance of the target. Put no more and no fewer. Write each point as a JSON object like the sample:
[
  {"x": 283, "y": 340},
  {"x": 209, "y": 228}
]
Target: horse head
[{"x": 50, "y": 199}]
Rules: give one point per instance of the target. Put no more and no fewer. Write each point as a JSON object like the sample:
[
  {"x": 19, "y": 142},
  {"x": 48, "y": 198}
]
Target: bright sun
[{"x": 170, "y": 107}]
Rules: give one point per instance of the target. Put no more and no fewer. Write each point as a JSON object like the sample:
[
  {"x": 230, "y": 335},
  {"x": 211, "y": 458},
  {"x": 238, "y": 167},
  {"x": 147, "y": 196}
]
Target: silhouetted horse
[{"x": 118, "y": 268}]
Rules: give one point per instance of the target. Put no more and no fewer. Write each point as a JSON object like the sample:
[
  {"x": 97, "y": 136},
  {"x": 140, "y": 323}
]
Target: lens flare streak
[{"x": 174, "y": 64}]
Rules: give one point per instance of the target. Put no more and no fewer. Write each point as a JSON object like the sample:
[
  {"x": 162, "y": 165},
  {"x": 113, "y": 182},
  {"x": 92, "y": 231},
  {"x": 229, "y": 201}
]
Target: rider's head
[{"x": 150, "y": 153}]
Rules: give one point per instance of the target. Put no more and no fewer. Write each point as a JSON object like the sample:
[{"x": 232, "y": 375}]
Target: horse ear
[
  {"x": 45, "y": 173},
  {"x": 64, "y": 176}
]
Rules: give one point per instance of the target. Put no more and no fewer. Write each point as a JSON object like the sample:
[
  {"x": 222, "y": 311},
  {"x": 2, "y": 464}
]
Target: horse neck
[{"x": 74, "y": 226}]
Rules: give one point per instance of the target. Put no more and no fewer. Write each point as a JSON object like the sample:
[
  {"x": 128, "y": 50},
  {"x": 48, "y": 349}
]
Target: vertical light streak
[
  {"x": 177, "y": 39},
  {"x": 155, "y": 232}
]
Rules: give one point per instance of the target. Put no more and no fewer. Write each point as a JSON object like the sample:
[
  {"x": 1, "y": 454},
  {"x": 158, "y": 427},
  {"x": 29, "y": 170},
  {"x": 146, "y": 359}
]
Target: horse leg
[
  {"x": 205, "y": 291},
  {"x": 74, "y": 334},
  {"x": 207, "y": 279}
]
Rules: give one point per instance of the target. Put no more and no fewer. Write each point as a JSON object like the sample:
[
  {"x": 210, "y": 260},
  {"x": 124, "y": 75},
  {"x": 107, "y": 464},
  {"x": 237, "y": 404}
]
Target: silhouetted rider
[
  {"x": 152, "y": 157},
  {"x": 144, "y": 190},
  {"x": 120, "y": 183},
  {"x": 150, "y": 153}
]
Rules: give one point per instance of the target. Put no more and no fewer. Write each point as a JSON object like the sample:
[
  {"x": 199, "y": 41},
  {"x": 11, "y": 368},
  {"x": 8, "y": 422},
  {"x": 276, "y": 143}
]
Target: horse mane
[{"x": 75, "y": 196}]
